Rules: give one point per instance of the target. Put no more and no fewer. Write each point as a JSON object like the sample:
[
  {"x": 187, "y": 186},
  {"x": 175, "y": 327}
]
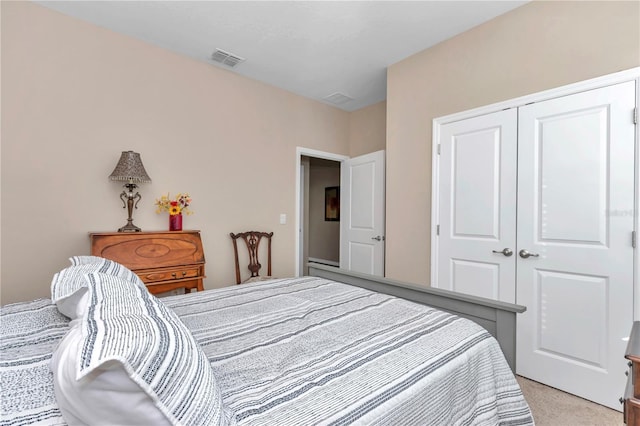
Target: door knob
[
  {"x": 525, "y": 254},
  {"x": 506, "y": 251},
  {"x": 377, "y": 238}
]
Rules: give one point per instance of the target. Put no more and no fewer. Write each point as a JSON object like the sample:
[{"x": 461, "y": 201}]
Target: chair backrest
[{"x": 252, "y": 240}]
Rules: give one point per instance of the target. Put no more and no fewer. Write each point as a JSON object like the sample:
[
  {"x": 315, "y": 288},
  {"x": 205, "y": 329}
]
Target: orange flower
[{"x": 173, "y": 210}]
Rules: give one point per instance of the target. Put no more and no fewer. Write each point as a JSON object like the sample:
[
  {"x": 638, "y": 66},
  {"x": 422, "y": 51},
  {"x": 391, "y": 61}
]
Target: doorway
[
  {"x": 318, "y": 239},
  {"x": 322, "y": 212},
  {"x": 359, "y": 214}
]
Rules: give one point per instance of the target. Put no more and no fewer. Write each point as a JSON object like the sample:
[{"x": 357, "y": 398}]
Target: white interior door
[
  {"x": 477, "y": 206},
  {"x": 362, "y": 214},
  {"x": 575, "y": 214}
]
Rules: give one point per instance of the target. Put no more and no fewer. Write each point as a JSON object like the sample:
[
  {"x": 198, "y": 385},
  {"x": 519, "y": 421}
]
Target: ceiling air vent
[
  {"x": 338, "y": 98},
  {"x": 226, "y": 58}
]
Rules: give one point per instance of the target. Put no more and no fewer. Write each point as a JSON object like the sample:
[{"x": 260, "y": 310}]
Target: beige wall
[
  {"x": 74, "y": 96},
  {"x": 538, "y": 46},
  {"x": 368, "y": 129}
]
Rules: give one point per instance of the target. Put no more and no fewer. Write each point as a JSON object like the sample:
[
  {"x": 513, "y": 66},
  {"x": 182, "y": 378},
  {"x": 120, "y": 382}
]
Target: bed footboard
[{"x": 499, "y": 318}]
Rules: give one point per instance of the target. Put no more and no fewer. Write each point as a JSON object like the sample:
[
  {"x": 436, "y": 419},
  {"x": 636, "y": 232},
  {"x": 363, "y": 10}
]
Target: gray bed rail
[{"x": 499, "y": 318}]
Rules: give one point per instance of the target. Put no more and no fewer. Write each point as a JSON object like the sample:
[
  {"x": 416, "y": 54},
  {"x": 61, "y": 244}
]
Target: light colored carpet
[{"x": 552, "y": 407}]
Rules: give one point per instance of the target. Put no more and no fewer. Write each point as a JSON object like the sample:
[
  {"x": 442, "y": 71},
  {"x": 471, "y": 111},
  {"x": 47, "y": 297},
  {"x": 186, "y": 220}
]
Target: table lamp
[{"x": 130, "y": 170}]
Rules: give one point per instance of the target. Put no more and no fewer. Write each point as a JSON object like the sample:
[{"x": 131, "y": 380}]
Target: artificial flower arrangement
[{"x": 176, "y": 206}]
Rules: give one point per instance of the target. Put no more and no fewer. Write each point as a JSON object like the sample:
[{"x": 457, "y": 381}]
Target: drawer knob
[
  {"x": 630, "y": 364},
  {"x": 626, "y": 373},
  {"x": 173, "y": 275},
  {"x": 184, "y": 273},
  {"x": 621, "y": 400}
]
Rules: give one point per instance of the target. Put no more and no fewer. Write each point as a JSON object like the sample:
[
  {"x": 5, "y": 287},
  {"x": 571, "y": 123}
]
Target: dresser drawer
[
  {"x": 149, "y": 276},
  {"x": 628, "y": 395}
]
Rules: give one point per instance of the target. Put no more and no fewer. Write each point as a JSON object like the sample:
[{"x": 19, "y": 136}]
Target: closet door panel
[
  {"x": 478, "y": 206},
  {"x": 575, "y": 171},
  {"x": 573, "y": 152}
]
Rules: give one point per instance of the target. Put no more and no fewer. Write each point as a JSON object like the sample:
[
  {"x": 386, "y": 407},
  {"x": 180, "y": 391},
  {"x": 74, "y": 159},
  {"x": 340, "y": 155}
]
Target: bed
[{"x": 308, "y": 350}]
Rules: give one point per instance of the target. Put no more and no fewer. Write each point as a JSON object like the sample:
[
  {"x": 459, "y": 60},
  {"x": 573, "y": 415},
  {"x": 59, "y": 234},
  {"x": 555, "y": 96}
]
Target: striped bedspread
[
  {"x": 29, "y": 333},
  {"x": 299, "y": 352},
  {"x": 312, "y": 351}
]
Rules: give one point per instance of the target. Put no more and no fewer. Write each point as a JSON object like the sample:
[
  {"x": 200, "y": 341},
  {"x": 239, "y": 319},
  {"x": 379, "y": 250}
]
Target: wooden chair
[{"x": 252, "y": 240}]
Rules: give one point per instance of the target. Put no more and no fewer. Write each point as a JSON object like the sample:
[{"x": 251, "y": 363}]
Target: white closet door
[
  {"x": 477, "y": 206},
  {"x": 575, "y": 214}
]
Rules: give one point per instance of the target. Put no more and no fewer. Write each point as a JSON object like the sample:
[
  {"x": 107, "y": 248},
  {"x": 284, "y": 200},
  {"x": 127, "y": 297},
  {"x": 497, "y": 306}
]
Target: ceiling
[{"x": 312, "y": 48}]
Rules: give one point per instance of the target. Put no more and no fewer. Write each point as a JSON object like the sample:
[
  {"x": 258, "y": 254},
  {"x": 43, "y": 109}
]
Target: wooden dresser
[
  {"x": 164, "y": 261},
  {"x": 631, "y": 399}
]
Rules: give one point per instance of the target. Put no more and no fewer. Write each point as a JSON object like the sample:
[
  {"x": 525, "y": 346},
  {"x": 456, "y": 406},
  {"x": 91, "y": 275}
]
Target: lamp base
[
  {"x": 129, "y": 227},
  {"x": 128, "y": 198}
]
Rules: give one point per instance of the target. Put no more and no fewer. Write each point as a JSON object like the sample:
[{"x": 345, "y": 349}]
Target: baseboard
[{"x": 324, "y": 262}]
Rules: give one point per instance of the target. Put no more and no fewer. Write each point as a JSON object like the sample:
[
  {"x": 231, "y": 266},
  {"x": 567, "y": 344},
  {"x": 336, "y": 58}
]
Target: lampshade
[{"x": 130, "y": 168}]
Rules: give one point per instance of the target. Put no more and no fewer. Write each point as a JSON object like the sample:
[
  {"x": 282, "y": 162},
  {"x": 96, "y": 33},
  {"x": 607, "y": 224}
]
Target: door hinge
[
  {"x": 633, "y": 239},
  {"x": 438, "y": 149},
  {"x": 635, "y": 115},
  {"x": 437, "y": 229}
]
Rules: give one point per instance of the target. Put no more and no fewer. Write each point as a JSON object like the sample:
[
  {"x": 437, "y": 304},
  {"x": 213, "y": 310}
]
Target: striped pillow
[
  {"x": 68, "y": 287},
  {"x": 81, "y": 260},
  {"x": 129, "y": 325}
]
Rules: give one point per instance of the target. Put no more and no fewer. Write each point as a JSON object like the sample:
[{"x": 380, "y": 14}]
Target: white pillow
[
  {"x": 68, "y": 287},
  {"x": 106, "y": 396},
  {"x": 127, "y": 328},
  {"x": 74, "y": 305}
]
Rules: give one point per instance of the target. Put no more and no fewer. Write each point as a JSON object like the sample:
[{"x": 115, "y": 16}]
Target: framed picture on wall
[{"x": 332, "y": 203}]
